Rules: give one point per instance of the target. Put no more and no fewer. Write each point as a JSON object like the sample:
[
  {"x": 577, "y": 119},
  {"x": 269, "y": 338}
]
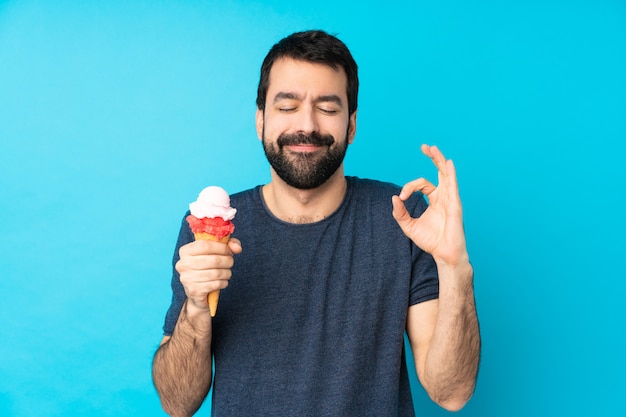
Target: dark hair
[{"x": 312, "y": 46}]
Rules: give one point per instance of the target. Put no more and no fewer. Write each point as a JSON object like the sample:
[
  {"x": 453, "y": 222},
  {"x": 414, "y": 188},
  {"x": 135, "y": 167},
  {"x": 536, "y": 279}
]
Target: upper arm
[{"x": 420, "y": 326}]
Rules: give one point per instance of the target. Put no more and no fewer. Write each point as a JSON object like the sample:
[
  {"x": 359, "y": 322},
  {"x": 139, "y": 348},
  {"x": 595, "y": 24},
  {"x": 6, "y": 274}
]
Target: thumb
[
  {"x": 400, "y": 213},
  {"x": 235, "y": 246}
]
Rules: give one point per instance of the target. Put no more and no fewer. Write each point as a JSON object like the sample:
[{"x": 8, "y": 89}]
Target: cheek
[
  {"x": 342, "y": 132},
  {"x": 273, "y": 125}
]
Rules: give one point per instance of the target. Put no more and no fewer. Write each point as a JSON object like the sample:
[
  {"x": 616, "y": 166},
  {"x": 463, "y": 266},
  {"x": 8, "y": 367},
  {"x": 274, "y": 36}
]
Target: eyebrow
[
  {"x": 286, "y": 96},
  {"x": 332, "y": 98}
]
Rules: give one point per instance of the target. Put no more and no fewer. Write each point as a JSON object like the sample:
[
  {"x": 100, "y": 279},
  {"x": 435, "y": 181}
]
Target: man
[{"x": 335, "y": 270}]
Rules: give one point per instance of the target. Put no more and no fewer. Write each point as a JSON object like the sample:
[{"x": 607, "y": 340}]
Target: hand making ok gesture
[{"x": 439, "y": 230}]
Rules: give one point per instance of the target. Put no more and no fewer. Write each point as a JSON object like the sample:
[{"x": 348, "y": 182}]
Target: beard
[{"x": 305, "y": 170}]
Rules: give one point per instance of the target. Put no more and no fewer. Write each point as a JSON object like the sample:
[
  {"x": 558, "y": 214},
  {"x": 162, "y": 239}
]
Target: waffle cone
[{"x": 213, "y": 295}]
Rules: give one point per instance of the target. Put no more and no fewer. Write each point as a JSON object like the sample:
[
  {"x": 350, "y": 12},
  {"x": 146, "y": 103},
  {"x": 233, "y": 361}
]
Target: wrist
[
  {"x": 458, "y": 264},
  {"x": 459, "y": 274},
  {"x": 198, "y": 318}
]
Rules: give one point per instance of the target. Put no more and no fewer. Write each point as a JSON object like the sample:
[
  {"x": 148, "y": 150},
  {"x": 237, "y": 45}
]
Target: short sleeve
[
  {"x": 178, "y": 292},
  {"x": 425, "y": 279}
]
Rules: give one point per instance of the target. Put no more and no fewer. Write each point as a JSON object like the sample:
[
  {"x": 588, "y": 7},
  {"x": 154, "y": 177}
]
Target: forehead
[{"x": 303, "y": 77}]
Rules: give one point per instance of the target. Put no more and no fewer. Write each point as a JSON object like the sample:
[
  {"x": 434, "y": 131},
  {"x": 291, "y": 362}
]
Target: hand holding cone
[{"x": 213, "y": 295}]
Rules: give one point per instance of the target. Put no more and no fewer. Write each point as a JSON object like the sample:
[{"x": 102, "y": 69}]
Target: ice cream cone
[
  {"x": 207, "y": 236},
  {"x": 213, "y": 295}
]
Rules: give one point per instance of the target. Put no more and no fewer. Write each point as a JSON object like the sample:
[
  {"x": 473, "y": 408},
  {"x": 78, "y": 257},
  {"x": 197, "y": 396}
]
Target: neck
[{"x": 305, "y": 206}]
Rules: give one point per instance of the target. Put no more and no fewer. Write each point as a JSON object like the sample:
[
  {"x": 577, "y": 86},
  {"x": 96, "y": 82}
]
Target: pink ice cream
[{"x": 213, "y": 202}]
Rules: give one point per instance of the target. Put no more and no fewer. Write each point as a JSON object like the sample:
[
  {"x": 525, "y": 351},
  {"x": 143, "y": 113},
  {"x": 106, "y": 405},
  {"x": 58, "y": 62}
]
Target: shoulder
[
  {"x": 380, "y": 192},
  {"x": 366, "y": 184},
  {"x": 245, "y": 197},
  {"x": 370, "y": 191},
  {"x": 250, "y": 208}
]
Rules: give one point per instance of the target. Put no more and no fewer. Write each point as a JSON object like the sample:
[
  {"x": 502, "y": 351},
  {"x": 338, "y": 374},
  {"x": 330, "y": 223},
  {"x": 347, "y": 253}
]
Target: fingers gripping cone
[
  {"x": 214, "y": 296},
  {"x": 210, "y": 219}
]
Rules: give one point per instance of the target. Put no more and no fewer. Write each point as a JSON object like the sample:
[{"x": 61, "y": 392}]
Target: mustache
[{"x": 314, "y": 138}]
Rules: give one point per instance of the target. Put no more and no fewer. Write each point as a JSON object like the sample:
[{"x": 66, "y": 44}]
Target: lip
[{"x": 303, "y": 148}]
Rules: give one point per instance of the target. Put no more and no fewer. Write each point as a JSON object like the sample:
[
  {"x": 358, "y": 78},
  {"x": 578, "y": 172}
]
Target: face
[{"x": 306, "y": 127}]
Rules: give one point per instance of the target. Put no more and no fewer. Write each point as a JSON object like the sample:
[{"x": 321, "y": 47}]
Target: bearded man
[{"x": 336, "y": 269}]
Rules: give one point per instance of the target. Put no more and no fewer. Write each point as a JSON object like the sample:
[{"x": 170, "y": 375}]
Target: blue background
[{"x": 114, "y": 115}]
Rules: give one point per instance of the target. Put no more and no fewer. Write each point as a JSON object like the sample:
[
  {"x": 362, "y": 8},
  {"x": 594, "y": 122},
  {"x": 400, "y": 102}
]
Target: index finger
[{"x": 421, "y": 184}]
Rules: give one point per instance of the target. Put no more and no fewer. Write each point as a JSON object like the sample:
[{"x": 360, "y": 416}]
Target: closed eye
[{"x": 329, "y": 104}]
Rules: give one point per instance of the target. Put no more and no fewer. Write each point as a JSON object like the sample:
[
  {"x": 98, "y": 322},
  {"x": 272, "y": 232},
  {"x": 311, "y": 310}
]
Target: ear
[
  {"x": 259, "y": 123},
  {"x": 352, "y": 127}
]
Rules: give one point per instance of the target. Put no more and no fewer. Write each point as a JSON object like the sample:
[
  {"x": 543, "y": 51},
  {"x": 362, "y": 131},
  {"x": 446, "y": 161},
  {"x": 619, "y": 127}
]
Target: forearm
[
  {"x": 181, "y": 369},
  {"x": 451, "y": 364}
]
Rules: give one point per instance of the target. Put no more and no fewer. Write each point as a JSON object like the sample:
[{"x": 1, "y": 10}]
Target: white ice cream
[{"x": 213, "y": 202}]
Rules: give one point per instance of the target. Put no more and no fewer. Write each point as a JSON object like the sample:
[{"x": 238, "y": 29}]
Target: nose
[{"x": 307, "y": 122}]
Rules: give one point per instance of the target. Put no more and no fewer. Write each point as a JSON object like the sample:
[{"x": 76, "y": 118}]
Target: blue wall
[{"x": 107, "y": 112}]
